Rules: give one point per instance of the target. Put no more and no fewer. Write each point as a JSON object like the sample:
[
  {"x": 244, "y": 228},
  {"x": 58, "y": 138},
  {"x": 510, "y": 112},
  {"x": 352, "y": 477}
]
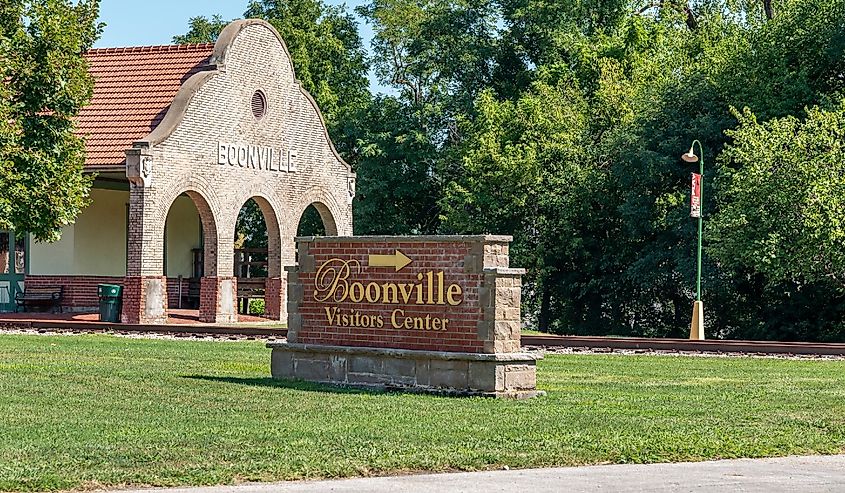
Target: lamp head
[{"x": 690, "y": 156}]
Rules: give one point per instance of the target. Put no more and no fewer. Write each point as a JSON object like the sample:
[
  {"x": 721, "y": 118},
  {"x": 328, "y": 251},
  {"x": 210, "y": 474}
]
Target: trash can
[{"x": 111, "y": 298}]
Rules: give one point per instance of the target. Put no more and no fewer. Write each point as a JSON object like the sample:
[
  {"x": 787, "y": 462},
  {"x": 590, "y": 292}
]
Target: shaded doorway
[{"x": 13, "y": 267}]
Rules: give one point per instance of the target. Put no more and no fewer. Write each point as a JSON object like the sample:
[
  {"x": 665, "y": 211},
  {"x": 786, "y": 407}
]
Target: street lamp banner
[{"x": 695, "y": 202}]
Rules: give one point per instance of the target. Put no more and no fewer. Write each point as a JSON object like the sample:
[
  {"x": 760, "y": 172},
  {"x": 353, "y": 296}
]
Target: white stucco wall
[
  {"x": 100, "y": 236},
  {"x": 53, "y": 258},
  {"x": 95, "y": 245}
]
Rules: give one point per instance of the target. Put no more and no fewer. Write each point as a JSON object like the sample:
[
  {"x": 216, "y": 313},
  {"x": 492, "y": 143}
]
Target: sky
[{"x": 155, "y": 22}]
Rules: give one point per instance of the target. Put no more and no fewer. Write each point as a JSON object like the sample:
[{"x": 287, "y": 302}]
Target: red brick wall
[
  {"x": 132, "y": 305},
  {"x": 274, "y": 299},
  {"x": 212, "y": 296},
  {"x": 461, "y": 333},
  {"x": 80, "y": 292}
]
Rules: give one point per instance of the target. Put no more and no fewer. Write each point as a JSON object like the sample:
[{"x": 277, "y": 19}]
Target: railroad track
[
  {"x": 171, "y": 329},
  {"x": 543, "y": 341},
  {"x": 706, "y": 346}
]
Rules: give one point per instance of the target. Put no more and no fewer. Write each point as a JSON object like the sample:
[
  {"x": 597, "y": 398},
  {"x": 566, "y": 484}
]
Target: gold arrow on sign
[{"x": 398, "y": 260}]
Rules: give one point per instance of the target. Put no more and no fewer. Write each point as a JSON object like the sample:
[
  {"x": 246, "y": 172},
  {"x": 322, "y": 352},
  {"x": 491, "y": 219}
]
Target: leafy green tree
[
  {"x": 783, "y": 196},
  {"x": 653, "y": 79},
  {"x": 542, "y": 31},
  {"x": 525, "y": 172},
  {"x": 397, "y": 189},
  {"x": 437, "y": 57},
  {"x": 202, "y": 30},
  {"x": 724, "y": 63},
  {"x": 45, "y": 82},
  {"x": 435, "y": 53}
]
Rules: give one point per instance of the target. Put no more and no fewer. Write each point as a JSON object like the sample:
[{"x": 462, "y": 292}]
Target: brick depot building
[{"x": 181, "y": 137}]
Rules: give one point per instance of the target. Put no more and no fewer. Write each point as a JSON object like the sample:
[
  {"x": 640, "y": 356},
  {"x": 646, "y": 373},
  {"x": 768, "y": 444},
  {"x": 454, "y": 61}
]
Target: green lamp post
[{"x": 697, "y": 325}]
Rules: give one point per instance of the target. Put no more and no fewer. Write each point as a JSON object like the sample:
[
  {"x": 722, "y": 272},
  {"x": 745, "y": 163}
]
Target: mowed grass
[{"x": 81, "y": 412}]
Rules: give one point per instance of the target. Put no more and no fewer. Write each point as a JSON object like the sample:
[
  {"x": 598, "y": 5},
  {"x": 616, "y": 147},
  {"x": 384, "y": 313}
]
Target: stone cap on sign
[
  {"x": 408, "y": 239},
  {"x": 505, "y": 271}
]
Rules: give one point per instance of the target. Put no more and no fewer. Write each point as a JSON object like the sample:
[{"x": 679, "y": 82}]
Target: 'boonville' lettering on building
[
  {"x": 335, "y": 283},
  {"x": 256, "y": 157}
]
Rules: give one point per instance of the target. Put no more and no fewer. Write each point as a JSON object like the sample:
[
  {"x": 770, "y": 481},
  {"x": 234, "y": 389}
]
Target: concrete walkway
[{"x": 788, "y": 474}]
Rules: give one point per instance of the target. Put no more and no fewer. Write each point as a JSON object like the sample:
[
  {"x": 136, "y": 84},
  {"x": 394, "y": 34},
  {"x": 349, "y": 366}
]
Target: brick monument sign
[{"x": 425, "y": 312}]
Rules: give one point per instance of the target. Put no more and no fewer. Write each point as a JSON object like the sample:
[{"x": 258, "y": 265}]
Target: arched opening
[
  {"x": 257, "y": 255},
  {"x": 189, "y": 252},
  {"x": 316, "y": 220}
]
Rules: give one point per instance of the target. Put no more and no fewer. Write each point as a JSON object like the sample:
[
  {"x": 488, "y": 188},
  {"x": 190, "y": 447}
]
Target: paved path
[{"x": 788, "y": 474}]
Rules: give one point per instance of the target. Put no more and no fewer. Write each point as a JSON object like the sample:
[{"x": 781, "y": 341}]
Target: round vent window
[{"x": 259, "y": 104}]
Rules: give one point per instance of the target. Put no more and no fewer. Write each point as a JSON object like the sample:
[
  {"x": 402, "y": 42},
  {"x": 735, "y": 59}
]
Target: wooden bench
[
  {"x": 40, "y": 296},
  {"x": 249, "y": 288}
]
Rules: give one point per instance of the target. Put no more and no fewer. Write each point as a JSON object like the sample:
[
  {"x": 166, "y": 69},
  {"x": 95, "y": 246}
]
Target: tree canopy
[
  {"x": 783, "y": 198},
  {"x": 44, "y": 81},
  {"x": 562, "y": 122}
]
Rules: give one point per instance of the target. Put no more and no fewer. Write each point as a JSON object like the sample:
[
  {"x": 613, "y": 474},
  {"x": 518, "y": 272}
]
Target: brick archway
[
  {"x": 274, "y": 283},
  {"x": 327, "y": 218},
  {"x": 145, "y": 296},
  {"x": 218, "y": 287},
  {"x": 333, "y": 215},
  {"x": 209, "y": 230}
]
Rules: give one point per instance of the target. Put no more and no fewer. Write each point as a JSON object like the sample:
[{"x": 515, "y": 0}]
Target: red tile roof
[{"x": 133, "y": 88}]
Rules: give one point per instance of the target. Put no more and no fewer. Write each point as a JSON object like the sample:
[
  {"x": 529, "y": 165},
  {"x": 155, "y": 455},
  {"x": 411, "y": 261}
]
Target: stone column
[
  {"x": 501, "y": 296},
  {"x": 295, "y": 294},
  {"x": 144, "y": 288},
  {"x": 276, "y": 295},
  {"x": 218, "y": 297}
]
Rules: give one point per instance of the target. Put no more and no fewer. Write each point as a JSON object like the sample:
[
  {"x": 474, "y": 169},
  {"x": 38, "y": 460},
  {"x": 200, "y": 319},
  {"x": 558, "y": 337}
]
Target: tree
[
  {"x": 624, "y": 261},
  {"x": 397, "y": 188},
  {"x": 525, "y": 172},
  {"x": 435, "y": 53},
  {"x": 783, "y": 196},
  {"x": 202, "y": 30},
  {"x": 437, "y": 56},
  {"x": 44, "y": 81},
  {"x": 328, "y": 55}
]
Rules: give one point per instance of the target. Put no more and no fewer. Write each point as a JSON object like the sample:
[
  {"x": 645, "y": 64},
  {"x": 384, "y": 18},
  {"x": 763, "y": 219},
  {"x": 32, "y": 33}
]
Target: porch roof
[{"x": 133, "y": 88}]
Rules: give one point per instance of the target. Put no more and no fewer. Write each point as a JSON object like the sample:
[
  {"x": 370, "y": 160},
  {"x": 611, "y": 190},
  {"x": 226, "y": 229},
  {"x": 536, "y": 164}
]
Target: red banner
[{"x": 695, "y": 202}]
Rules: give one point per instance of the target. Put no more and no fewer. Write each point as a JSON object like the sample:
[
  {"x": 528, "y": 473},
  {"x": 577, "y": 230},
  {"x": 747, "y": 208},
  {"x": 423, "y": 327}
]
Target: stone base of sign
[{"x": 506, "y": 375}]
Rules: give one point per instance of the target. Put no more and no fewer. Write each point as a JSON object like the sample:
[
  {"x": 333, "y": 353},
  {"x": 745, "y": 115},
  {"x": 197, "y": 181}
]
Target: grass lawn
[{"x": 93, "y": 411}]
